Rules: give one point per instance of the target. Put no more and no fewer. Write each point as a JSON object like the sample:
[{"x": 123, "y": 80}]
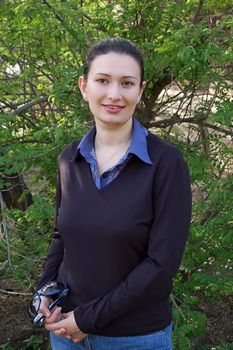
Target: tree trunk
[{"x": 13, "y": 192}]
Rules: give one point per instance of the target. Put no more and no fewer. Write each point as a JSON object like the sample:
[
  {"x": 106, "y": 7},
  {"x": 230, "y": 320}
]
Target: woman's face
[{"x": 112, "y": 88}]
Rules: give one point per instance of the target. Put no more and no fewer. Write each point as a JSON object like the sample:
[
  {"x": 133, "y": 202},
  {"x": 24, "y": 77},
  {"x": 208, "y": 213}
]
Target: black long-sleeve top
[{"x": 119, "y": 247}]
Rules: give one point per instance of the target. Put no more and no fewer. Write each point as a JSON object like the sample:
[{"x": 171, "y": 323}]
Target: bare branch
[
  {"x": 176, "y": 119},
  {"x": 173, "y": 297},
  {"x": 196, "y": 17},
  {"x": 4, "y": 230},
  {"x": 26, "y": 106},
  {"x": 218, "y": 128},
  {"x": 45, "y": 2},
  {"x": 9, "y": 177},
  {"x": 14, "y": 293},
  {"x": 158, "y": 86}
]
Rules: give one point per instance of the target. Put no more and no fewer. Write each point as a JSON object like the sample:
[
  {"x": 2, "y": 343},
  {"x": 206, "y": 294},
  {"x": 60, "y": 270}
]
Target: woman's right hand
[
  {"x": 45, "y": 302},
  {"x": 51, "y": 316}
]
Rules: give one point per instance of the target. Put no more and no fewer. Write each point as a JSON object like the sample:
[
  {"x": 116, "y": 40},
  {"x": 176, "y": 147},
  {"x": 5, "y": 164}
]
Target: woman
[{"x": 123, "y": 215}]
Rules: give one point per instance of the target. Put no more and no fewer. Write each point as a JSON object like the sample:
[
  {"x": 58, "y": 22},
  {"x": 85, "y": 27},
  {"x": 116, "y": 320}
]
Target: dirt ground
[{"x": 14, "y": 326}]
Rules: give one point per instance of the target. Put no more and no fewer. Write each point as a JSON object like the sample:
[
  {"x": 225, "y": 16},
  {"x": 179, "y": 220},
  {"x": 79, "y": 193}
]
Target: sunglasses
[{"x": 57, "y": 291}]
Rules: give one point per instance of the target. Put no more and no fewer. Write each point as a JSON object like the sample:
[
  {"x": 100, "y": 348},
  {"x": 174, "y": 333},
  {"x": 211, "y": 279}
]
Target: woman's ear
[
  {"x": 141, "y": 90},
  {"x": 144, "y": 84},
  {"x": 82, "y": 83}
]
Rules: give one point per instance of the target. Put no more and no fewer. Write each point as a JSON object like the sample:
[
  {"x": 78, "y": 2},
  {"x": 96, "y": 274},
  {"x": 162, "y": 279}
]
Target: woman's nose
[{"x": 114, "y": 92}]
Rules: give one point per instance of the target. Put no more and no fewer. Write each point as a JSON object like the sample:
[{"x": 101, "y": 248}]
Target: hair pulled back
[{"x": 117, "y": 45}]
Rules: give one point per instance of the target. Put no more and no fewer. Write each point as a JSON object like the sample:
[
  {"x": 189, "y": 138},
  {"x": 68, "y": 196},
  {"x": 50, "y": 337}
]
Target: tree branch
[
  {"x": 176, "y": 119},
  {"x": 4, "y": 230},
  {"x": 218, "y": 128},
  {"x": 196, "y": 17},
  {"x": 14, "y": 293},
  {"x": 86, "y": 15},
  {"x": 28, "y": 105},
  {"x": 45, "y": 2},
  {"x": 158, "y": 86}
]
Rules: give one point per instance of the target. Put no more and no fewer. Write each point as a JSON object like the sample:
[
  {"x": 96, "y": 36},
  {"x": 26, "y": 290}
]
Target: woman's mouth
[{"x": 113, "y": 108}]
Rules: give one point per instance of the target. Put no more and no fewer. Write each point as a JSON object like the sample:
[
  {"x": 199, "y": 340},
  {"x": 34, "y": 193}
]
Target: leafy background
[{"x": 187, "y": 47}]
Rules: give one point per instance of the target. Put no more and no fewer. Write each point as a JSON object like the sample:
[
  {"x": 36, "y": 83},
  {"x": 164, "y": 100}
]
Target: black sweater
[{"x": 119, "y": 247}]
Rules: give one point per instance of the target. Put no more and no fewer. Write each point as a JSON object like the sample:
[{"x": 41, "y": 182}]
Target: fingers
[
  {"x": 78, "y": 339},
  {"x": 67, "y": 336},
  {"x": 55, "y": 326},
  {"x": 55, "y": 316},
  {"x": 45, "y": 301},
  {"x": 62, "y": 332},
  {"x": 66, "y": 314},
  {"x": 67, "y": 327}
]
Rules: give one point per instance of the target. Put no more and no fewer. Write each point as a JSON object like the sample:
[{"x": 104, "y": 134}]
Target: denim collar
[{"x": 138, "y": 145}]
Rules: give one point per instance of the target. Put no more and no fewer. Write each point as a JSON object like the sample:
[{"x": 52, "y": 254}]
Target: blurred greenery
[{"x": 188, "y": 53}]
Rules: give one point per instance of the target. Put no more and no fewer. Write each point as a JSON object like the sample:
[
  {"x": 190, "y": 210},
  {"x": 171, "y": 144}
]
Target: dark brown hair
[{"x": 116, "y": 45}]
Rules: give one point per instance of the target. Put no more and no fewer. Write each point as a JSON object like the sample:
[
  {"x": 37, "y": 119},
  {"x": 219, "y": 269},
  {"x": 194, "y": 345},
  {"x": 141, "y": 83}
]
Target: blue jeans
[{"x": 160, "y": 340}]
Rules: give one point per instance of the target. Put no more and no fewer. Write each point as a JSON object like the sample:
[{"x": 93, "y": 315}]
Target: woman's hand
[
  {"x": 45, "y": 301},
  {"x": 51, "y": 316},
  {"x": 67, "y": 327}
]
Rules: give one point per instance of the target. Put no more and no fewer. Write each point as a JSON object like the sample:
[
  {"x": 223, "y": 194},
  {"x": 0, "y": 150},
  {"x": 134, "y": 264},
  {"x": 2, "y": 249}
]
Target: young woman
[{"x": 123, "y": 215}]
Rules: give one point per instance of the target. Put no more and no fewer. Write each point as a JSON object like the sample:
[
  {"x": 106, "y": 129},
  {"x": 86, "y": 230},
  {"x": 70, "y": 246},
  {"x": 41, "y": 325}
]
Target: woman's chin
[{"x": 112, "y": 119}]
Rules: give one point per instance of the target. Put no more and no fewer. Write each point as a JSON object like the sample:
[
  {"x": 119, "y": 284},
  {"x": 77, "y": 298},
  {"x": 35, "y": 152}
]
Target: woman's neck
[
  {"x": 111, "y": 143},
  {"x": 113, "y": 135}
]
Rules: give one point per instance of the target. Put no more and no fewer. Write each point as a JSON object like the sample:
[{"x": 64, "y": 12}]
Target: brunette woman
[{"x": 122, "y": 219}]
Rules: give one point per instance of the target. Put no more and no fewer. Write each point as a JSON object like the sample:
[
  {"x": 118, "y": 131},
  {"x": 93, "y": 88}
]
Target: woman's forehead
[{"x": 115, "y": 64}]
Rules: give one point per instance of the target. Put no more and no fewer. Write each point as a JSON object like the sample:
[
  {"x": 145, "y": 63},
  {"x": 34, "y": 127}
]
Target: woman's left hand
[{"x": 67, "y": 328}]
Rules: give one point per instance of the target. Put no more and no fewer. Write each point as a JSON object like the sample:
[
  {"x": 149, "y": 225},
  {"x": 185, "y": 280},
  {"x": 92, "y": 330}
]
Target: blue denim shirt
[{"x": 137, "y": 147}]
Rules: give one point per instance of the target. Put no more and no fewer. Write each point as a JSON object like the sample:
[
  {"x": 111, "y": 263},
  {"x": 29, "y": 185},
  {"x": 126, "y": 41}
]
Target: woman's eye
[
  {"x": 102, "y": 81},
  {"x": 127, "y": 83}
]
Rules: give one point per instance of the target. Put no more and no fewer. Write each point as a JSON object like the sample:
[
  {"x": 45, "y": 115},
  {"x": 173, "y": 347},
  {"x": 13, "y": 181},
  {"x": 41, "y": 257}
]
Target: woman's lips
[{"x": 113, "y": 108}]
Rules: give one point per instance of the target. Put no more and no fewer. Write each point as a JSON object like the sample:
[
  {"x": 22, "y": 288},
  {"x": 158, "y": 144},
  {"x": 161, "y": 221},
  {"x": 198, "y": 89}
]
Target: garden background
[{"x": 188, "y": 52}]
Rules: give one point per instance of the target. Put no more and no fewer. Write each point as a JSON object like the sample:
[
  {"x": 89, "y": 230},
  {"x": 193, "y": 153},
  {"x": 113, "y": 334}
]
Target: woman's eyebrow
[
  {"x": 129, "y": 76},
  {"x": 124, "y": 77},
  {"x": 107, "y": 75}
]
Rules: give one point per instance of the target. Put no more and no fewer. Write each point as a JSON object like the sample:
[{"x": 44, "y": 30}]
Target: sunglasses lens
[
  {"x": 52, "y": 288},
  {"x": 34, "y": 307},
  {"x": 56, "y": 291}
]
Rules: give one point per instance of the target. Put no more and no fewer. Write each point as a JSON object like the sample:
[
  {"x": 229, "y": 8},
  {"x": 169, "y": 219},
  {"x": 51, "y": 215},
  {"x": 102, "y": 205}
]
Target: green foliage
[
  {"x": 222, "y": 345},
  {"x": 34, "y": 342},
  {"x": 187, "y": 47},
  {"x": 206, "y": 269},
  {"x": 188, "y": 324},
  {"x": 26, "y": 250},
  {"x": 6, "y": 346}
]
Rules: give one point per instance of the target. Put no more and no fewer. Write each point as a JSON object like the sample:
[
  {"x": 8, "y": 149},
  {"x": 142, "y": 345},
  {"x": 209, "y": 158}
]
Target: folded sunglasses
[{"x": 57, "y": 291}]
